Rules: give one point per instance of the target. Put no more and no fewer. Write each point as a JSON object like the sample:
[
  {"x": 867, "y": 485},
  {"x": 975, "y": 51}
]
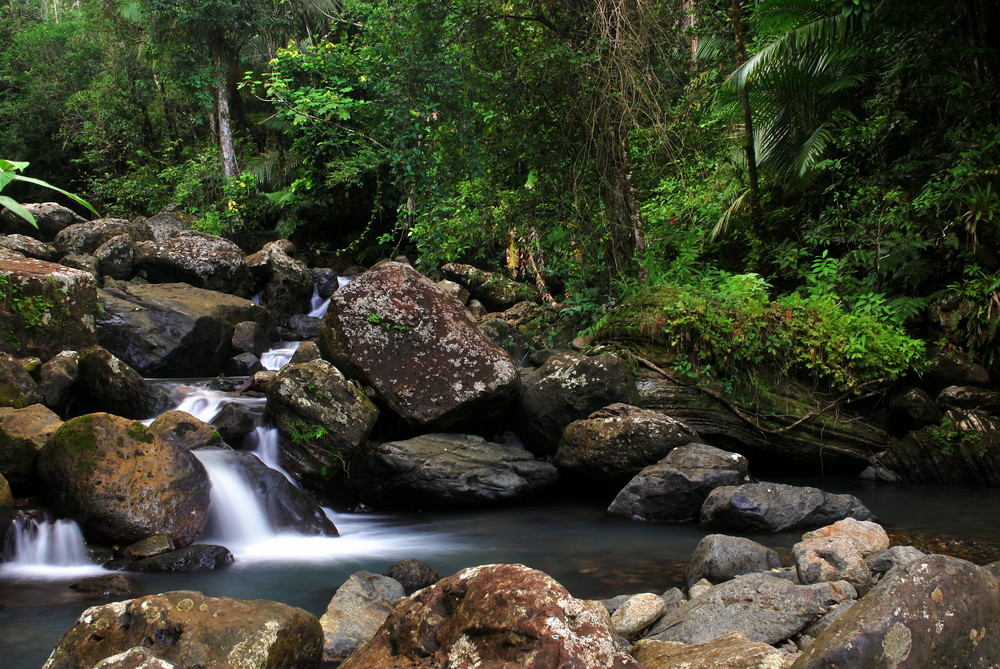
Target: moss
[
  {"x": 77, "y": 440},
  {"x": 139, "y": 432}
]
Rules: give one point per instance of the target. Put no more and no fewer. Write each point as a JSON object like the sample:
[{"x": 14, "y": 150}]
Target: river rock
[
  {"x": 50, "y": 217},
  {"x": 396, "y": 331},
  {"x": 307, "y": 351},
  {"x": 233, "y": 422},
  {"x": 6, "y": 508},
  {"x": 45, "y": 308},
  {"x": 123, "y": 483},
  {"x": 566, "y": 388},
  {"x": 937, "y": 611},
  {"x": 493, "y": 289},
  {"x": 287, "y": 283},
  {"x": 614, "y": 443},
  {"x": 134, "y": 658},
  {"x": 148, "y": 547},
  {"x": 449, "y": 470},
  {"x": 244, "y": 364},
  {"x": 776, "y": 507},
  {"x": 196, "y": 558},
  {"x": 493, "y": 616},
  {"x": 189, "y": 629},
  {"x": 963, "y": 450},
  {"x": 116, "y": 257},
  {"x": 357, "y": 610},
  {"x": 196, "y": 258},
  {"x": 56, "y": 378},
  {"x": 868, "y": 537},
  {"x": 323, "y": 419},
  {"x": 731, "y": 651},
  {"x": 82, "y": 262},
  {"x": 636, "y": 614},
  {"x": 166, "y": 224},
  {"x": 108, "y": 384},
  {"x": 29, "y": 247},
  {"x": 17, "y": 388},
  {"x": 250, "y": 337},
  {"x": 831, "y": 558},
  {"x": 85, "y": 238},
  {"x": 719, "y": 558},
  {"x": 172, "y": 330},
  {"x": 885, "y": 562},
  {"x": 412, "y": 574},
  {"x": 761, "y": 606},
  {"x": 288, "y": 508},
  {"x": 185, "y": 431},
  {"x": 23, "y": 434},
  {"x": 913, "y": 409},
  {"x": 117, "y": 586},
  {"x": 676, "y": 487},
  {"x": 971, "y": 398}
]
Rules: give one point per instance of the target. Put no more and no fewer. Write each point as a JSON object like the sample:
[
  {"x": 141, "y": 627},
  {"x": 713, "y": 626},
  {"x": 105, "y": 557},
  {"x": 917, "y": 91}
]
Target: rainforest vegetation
[{"x": 809, "y": 183}]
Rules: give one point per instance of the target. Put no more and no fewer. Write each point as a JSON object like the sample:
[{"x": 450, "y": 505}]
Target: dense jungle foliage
[{"x": 810, "y": 183}]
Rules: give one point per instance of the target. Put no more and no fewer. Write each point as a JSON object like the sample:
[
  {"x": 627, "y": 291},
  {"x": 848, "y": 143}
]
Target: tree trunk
[
  {"x": 748, "y": 147},
  {"x": 229, "y": 168}
]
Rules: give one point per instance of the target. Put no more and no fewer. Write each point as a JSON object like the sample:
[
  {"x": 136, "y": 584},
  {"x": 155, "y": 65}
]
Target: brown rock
[
  {"x": 23, "y": 434},
  {"x": 732, "y": 651},
  {"x": 185, "y": 431}
]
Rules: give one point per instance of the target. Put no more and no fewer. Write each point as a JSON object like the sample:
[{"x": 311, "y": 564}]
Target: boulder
[
  {"x": 250, "y": 337},
  {"x": 196, "y": 558},
  {"x": 456, "y": 290},
  {"x": 776, "y": 507},
  {"x": 868, "y": 537},
  {"x": 287, "y": 283},
  {"x": 831, "y": 558},
  {"x": 233, "y": 422},
  {"x": 81, "y": 262},
  {"x": 244, "y": 364},
  {"x": 23, "y": 435},
  {"x": 323, "y": 420},
  {"x": 117, "y": 586},
  {"x": 307, "y": 351},
  {"x": 116, "y": 257},
  {"x": 719, "y": 558},
  {"x": 199, "y": 259},
  {"x": 970, "y": 398},
  {"x": 172, "y": 330},
  {"x": 762, "y": 607},
  {"x": 148, "y": 547},
  {"x": 509, "y": 338},
  {"x": 614, "y": 443},
  {"x": 357, "y": 610},
  {"x": 185, "y": 431},
  {"x": 493, "y": 616},
  {"x": 56, "y": 379},
  {"x": 675, "y": 488},
  {"x": 17, "y": 388},
  {"x": 189, "y": 629},
  {"x": 412, "y": 574},
  {"x": 29, "y": 247},
  {"x": 885, "y": 562},
  {"x": 948, "y": 367},
  {"x": 45, "y": 308},
  {"x": 937, "y": 611},
  {"x": 636, "y": 614},
  {"x": 731, "y": 651},
  {"x": 50, "y": 217},
  {"x": 493, "y": 289},
  {"x": 448, "y": 470},
  {"x": 913, "y": 409},
  {"x": 108, "y": 384},
  {"x": 964, "y": 449},
  {"x": 166, "y": 224},
  {"x": 122, "y": 483},
  {"x": 566, "y": 388},
  {"x": 397, "y": 332},
  {"x": 86, "y": 238}
]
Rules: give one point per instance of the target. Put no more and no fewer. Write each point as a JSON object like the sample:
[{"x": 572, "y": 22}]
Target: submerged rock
[
  {"x": 412, "y": 574},
  {"x": 776, "y": 507}
]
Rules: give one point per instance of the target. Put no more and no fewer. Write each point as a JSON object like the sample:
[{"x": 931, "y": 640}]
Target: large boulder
[
  {"x": 448, "y": 470},
  {"x": 23, "y": 434},
  {"x": 676, "y": 487},
  {"x": 196, "y": 258},
  {"x": 616, "y": 442},
  {"x": 357, "y": 610},
  {"x": 493, "y": 289},
  {"x": 964, "y": 449},
  {"x": 719, "y": 558},
  {"x": 17, "y": 388},
  {"x": 762, "y": 607},
  {"x": 566, "y": 388},
  {"x": 494, "y": 616},
  {"x": 86, "y": 238},
  {"x": 116, "y": 257},
  {"x": 286, "y": 282},
  {"x": 417, "y": 347},
  {"x": 122, "y": 483},
  {"x": 323, "y": 419},
  {"x": 185, "y": 431},
  {"x": 776, "y": 507},
  {"x": 108, "y": 384},
  {"x": 937, "y": 611},
  {"x": 50, "y": 218},
  {"x": 45, "y": 307},
  {"x": 188, "y": 629},
  {"x": 172, "y": 330},
  {"x": 57, "y": 377}
]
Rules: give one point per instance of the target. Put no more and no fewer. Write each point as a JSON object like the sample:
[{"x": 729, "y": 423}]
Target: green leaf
[{"x": 13, "y": 205}]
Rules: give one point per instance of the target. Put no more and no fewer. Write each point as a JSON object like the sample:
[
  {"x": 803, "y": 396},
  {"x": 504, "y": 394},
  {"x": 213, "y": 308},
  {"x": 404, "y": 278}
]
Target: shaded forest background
[{"x": 809, "y": 183}]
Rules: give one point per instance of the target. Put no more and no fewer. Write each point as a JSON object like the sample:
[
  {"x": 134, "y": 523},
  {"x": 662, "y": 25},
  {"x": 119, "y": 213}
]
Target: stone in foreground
[{"x": 732, "y": 651}]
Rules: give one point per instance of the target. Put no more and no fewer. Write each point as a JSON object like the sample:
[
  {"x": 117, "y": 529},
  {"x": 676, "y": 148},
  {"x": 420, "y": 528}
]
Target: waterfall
[
  {"x": 236, "y": 515},
  {"x": 264, "y": 444},
  {"x": 54, "y": 548},
  {"x": 317, "y": 305},
  {"x": 278, "y": 355}
]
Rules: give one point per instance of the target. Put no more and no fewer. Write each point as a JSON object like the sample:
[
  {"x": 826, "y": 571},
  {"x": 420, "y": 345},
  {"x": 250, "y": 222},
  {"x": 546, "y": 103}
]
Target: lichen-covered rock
[
  {"x": 23, "y": 434},
  {"x": 116, "y": 257},
  {"x": 831, "y": 558},
  {"x": 148, "y": 547},
  {"x": 494, "y": 616},
  {"x": 776, "y": 507},
  {"x": 108, "y": 384},
  {"x": 885, "y": 562},
  {"x": 17, "y": 388},
  {"x": 494, "y": 290},
  {"x": 172, "y": 330},
  {"x": 732, "y": 651},
  {"x": 964, "y": 449},
  {"x": 123, "y": 483},
  {"x": 971, "y": 398},
  {"x": 616, "y": 442},
  {"x": 166, "y": 224},
  {"x": 719, "y": 558},
  {"x": 202, "y": 260},
  {"x": 566, "y": 388},
  {"x": 676, "y": 487},
  {"x": 357, "y": 610},
  {"x": 760, "y": 606},
  {"x": 50, "y": 218},
  {"x": 937, "y": 611},
  {"x": 134, "y": 658},
  {"x": 287, "y": 282},
  {"x": 56, "y": 379},
  {"x": 448, "y": 470},
  {"x": 45, "y": 308},
  {"x": 29, "y": 247},
  {"x": 396, "y": 331},
  {"x": 189, "y": 629},
  {"x": 868, "y": 537},
  {"x": 86, "y": 238},
  {"x": 412, "y": 574},
  {"x": 185, "y": 431},
  {"x": 323, "y": 419}
]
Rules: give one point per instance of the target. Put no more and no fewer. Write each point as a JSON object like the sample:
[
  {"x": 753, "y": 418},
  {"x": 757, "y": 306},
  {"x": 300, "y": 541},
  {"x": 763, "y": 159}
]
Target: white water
[
  {"x": 46, "y": 549},
  {"x": 278, "y": 356},
  {"x": 317, "y": 305}
]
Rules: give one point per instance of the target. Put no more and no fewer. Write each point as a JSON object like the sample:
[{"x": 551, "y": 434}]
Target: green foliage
[
  {"x": 302, "y": 433},
  {"x": 36, "y": 311},
  {"x": 950, "y": 438},
  {"x": 9, "y": 174},
  {"x": 972, "y": 306}
]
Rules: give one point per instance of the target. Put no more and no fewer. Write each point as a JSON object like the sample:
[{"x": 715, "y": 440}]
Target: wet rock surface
[{"x": 775, "y": 507}]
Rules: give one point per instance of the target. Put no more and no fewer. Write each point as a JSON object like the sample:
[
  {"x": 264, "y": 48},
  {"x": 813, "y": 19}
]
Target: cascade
[
  {"x": 278, "y": 356},
  {"x": 45, "y": 548},
  {"x": 317, "y": 305}
]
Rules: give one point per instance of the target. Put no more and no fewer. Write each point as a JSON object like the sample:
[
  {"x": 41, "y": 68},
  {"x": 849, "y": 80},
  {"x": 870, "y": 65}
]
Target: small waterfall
[
  {"x": 46, "y": 548},
  {"x": 236, "y": 516},
  {"x": 278, "y": 356},
  {"x": 264, "y": 444},
  {"x": 317, "y": 305}
]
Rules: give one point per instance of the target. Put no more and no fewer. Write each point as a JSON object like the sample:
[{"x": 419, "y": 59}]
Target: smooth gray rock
[
  {"x": 357, "y": 610},
  {"x": 776, "y": 507},
  {"x": 50, "y": 217},
  {"x": 719, "y": 558}
]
